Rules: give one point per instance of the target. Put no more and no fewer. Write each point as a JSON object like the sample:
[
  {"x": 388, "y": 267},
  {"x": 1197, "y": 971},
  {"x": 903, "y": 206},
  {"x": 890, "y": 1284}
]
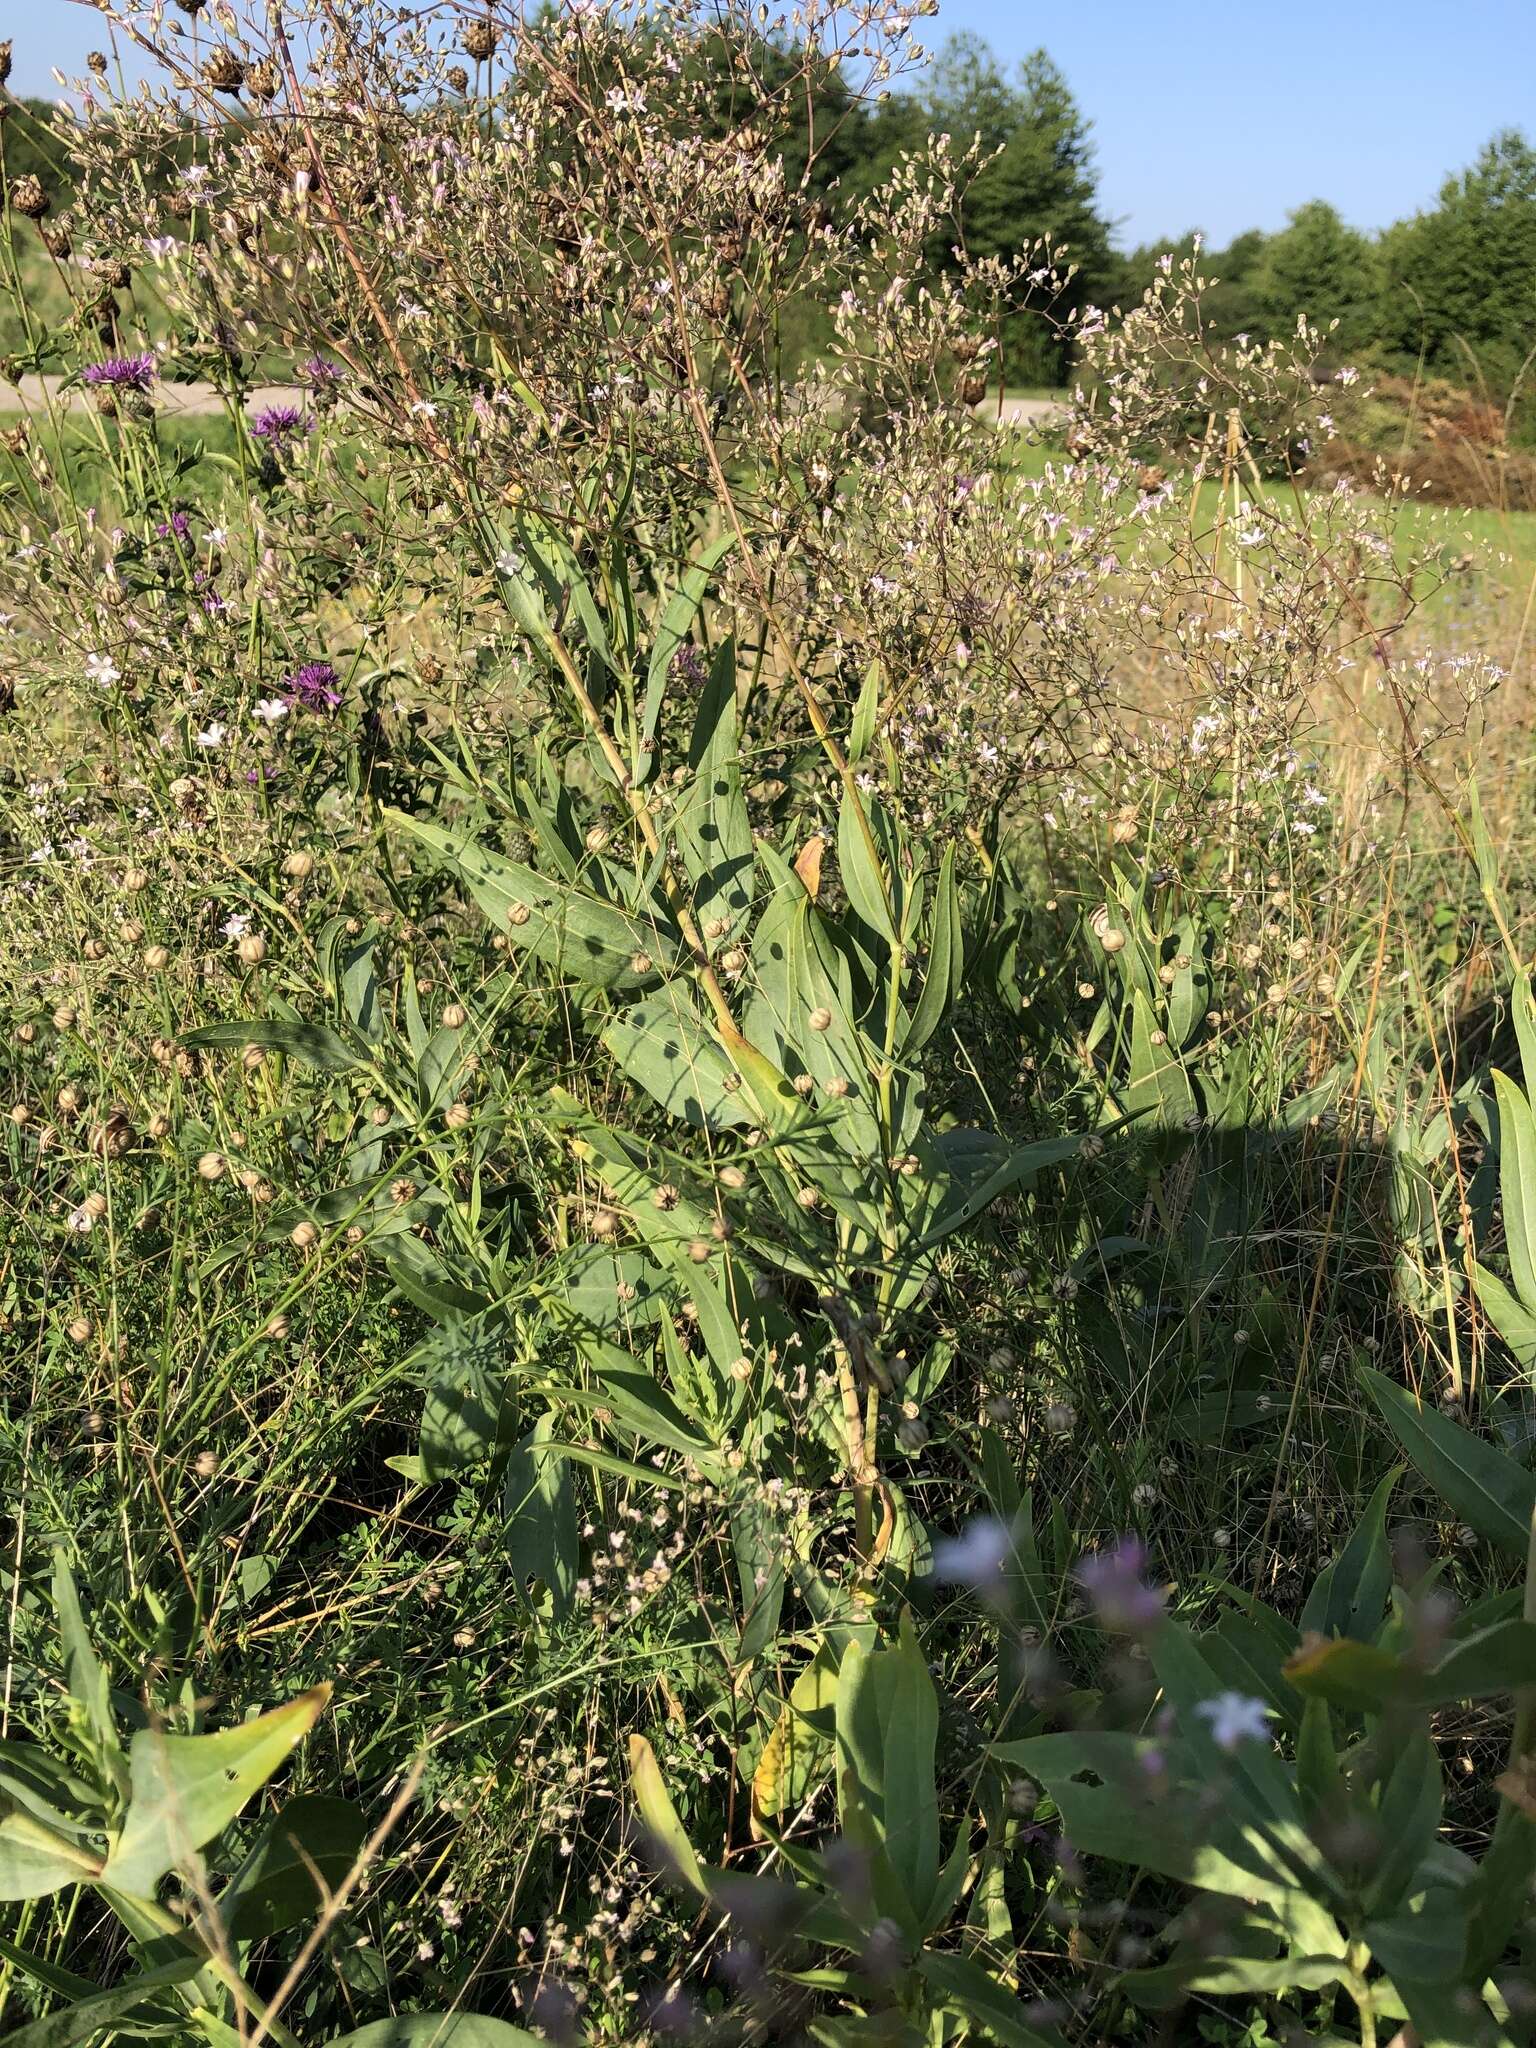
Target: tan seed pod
[
  {"x": 604, "y": 1221},
  {"x": 640, "y": 963},
  {"x": 80, "y": 1330},
  {"x": 804, "y": 1084},
  {"x": 808, "y": 1198},
  {"x": 731, "y": 1177},
  {"x": 130, "y": 931},
  {"x": 699, "y": 1251},
  {"x": 455, "y": 1017},
  {"x": 303, "y": 1235},
  {"x": 597, "y": 839},
  {"x": 253, "y": 1057},
  {"x": 457, "y": 1115},
  {"x": 300, "y": 864},
  {"x": 518, "y": 914},
  {"x": 21, "y": 1113},
  {"x": 65, "y": 1018},
  {"x": 665, "y": 1196},
  {"x": 135, "y": 879},
  {"x": 277, "y": 1328},
  {"x": 820, "y": 1020},
  {"x": 252, "y": 950},
  {"x": 94, "y": 949},
  {"x": 26, "y": 1034},
  {"x": 717, "y": 928},
  {"x": 402, "y": 1191},
  {"x": 836, "y": 1086},
  {"x": 211, "y": 1166},
  {"x": 159, "y": 1127},
  {"x": 68, "y": 1100},
  {"x": 733, "y": 960},
  {"x": 157, "y": 958},
  {"x": 1123, "y": 831}
]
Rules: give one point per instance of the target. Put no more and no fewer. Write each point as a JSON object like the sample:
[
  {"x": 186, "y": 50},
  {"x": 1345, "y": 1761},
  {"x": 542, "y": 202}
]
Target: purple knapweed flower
[
  {"x": 321, "y": 374},
  {"x": 179, "y": 525},
  {"x": 275, "y": 423},
  {"x": 123, "y": 373},
  {"x": 1120, "y": 1595},
  {"x": 313, "y": 687}
]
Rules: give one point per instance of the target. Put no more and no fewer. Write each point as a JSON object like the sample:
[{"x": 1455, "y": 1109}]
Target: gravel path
[{"x": 192, "y": 401}]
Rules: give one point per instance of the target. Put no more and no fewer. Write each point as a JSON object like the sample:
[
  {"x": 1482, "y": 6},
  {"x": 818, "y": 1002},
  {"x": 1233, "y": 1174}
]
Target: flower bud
[
  {"x": 457, "y": 1115},
  {"x": 135, "y": 879},
  {"x": 80, "y": 1330},
  {"x": 820, "y": 1020},
  {"x": 65, "y": 1018},
  {"x": 300, "y": 864}
]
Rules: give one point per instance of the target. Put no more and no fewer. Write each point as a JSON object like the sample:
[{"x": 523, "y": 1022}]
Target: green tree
[
  {"x": 1319, "y": 266},
  {"x": 1040, "y": 182},
  {"x": 1461, "y": 278}
]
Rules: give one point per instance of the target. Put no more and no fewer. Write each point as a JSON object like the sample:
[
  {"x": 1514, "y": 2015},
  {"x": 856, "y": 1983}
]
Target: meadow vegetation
[{"x": 769, "y": 1254}]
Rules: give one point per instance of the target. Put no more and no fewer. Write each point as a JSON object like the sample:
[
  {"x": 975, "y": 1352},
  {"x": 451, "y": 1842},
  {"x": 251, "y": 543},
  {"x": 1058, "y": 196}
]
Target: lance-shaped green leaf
[
  {"x": 85, "y": 1674},
  {"x": 712, "y": 830},
  {"x": 1482, "y": 1485},
  {"x": 1509, "y": 1315},
  {"x": 664, "y": 1044},
  {"x": 967, "y": 1989},
  {"x": 300, "y": 1857},
  {"x": 104, "y": 2009},
  {"x": 568, "y": 928},
  {"x": 946, "y": 961},
  {"x": 1517, "y": 1184},
  {"x": 887, "y": 1722},
  {"x": 313, "y": 1044},
  {"x": 185, "y": 1789}
]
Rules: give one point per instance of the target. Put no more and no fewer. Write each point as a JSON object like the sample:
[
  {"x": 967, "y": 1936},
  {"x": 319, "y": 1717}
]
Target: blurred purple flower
[
  {"x": 178, "y": 524},
  {"x": 321, "y": 374},
  {"x": 1118, "y": 1590},
  {"x": 275, "y": 423},
  {"x": 123, "y": 373}
]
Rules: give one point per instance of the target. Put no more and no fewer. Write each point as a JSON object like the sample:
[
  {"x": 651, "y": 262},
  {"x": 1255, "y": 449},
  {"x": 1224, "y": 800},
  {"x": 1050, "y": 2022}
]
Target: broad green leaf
[
  {"x": 798, "y": 1752},
  {"x": 664, "y": 1044},
  {"x": 1158, "y": 1088},
  {"x": 1349, "y": 1598},
  {"x": 439, "y": 2030},
  {"x": 1514, "y": 1321},
  {"x": 314, "y": 1044},
  {"x": 676, "y": 624},
  {"x": 541, "y": 1522},
  {"x": 1517, "y": 1184},
  {"x": 866, "y": 716},
  {"x": 887, "y": 1720},
  {"x": 35, "y": 1859},
  {"x": 946, "y": 961},
  {"x": 187, "y": 1788},
  {"x": 967, "y": 1989},
  {"x": 85, "y": 1674},
  {"x": 866, "y": 878},
  {"x": 660, "y": 1816},
  {"x": 301, "y": 1856},
  {"x": 572, "y": 931},
  {"x": 1484, "y": 1486},
  {"x": 712, "y": 829},
  {"x": 72, "y": 2023},
  {"x": 469, "y": 1414},
  {"x": 1409, "y": 1821}
]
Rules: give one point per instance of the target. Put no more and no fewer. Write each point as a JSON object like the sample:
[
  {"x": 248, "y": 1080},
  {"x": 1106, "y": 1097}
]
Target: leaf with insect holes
[{"x": 185, "y": 1789}]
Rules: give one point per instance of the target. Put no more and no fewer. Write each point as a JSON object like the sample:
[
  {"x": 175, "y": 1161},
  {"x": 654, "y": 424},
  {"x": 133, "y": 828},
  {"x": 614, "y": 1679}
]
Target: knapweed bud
[
  {"x": 80, "y": 1330},
  {"x": 402, "y": 1191},
  {"x": 604, "y": 1221},
  {"x": 94, "y": 949},
  {"x": 518, "y": 914},
  {"x": 135, "y": 879},
  {"x": 820, "y": 1020},
  {"x": 252, "y": 950},
  {"x": 211, "y": 1166},
  {"x": 836, "y": 1086}
]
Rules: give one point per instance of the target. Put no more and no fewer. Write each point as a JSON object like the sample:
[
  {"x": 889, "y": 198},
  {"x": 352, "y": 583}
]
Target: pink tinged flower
[{"x": 1117, "y": 1589}]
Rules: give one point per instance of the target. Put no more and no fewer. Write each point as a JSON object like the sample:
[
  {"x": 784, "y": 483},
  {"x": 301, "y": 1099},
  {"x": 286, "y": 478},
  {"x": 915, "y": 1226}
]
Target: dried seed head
[
  {"x": 26, "y": 1034},
  {"x": 456, "y": 78},
  {"x": 252, "y": 1058},
  {"x": 157, "y": 958},
  {"x": 80, "y": 1330},
  {"x": 300, "y": 864},
  {"x": 808, "y": 1198},
  {"x": 820, "y": 1020},
  {"x": 94, "y": 949},
  {"x": 5, "y": 60},
  {"x": 597, "y": 839},
  {"x": 717, "y": 928},
  {"x": 211, "y": 1166},
  {"x": 640, "y": 963},
  {"x": 733, "y": 960},
  {"x": 973, "y": 389},
  {"x": 95, "y": 1205},
  {"x": 402, "y": 1191},
  {"x": 480, "y": 39},
  {"x": 130, "y": 931},
  {"x": 836, "y": 1086},
  {"x": 665, "y": 1196},
  {"x": 1123, "y": 831},
  {"x": 604, "y": 1221},
  {"x": 223, "y": 70},
  {"x": 277, "y": 1328},
  {"x": 205, "y": 1464},
  {"x": 699, "y": 1251},
  {"x": 252, "y": 950},
  {"x": 731, "y": 1177},
  {"x": 263, "y": 81},
  {"x": 21, "y": 1113},
  {"x": 518, "y": 914},
  {"x": 68, "y": 1101},
  {"x": 65, "y": 1018},
  {"x": 455, "y": 1017},
  {"x": 159, "y": 1127},
  {"x": 29, "y": 198},
  {"x": 457, "y": 1115},
  {"x": 96, "y": 61},
  {"x": 804, "y": 1084},
  {"x": 303, "y": 1235}
]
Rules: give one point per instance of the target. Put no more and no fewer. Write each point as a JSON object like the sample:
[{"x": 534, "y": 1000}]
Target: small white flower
[
  {"x": 101, "y": 668},
  {"x": 509, "y": 563},
  {"x": 269, "y": 709},
  {"x": 1235, "y": 1717},
  {"x": 216, "y": 536},
  {"x": 212, "y": 734},
  {"x": 236, "y": 925},
  {"x": 160, "y": 246},
  {"x": 40, "y": 856},
  {"x": 976, "y": 1556},
  {"x": 424, "y": 409}
]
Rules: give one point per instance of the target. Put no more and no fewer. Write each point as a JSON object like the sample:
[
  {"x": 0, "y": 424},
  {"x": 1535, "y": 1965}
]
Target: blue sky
[{"x": 1220, "y": 114}]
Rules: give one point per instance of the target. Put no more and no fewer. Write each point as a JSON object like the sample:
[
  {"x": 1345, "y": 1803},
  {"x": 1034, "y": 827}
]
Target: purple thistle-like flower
[
  {"x": 178, "y": 524},
  {"x": 1120, "y": 1595},
  {"x": 123, "y": 373},
  {"x": 275, "y": 423},
  {"x": 321, "y": 374},
  {"x": 314, "y": 687}
]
